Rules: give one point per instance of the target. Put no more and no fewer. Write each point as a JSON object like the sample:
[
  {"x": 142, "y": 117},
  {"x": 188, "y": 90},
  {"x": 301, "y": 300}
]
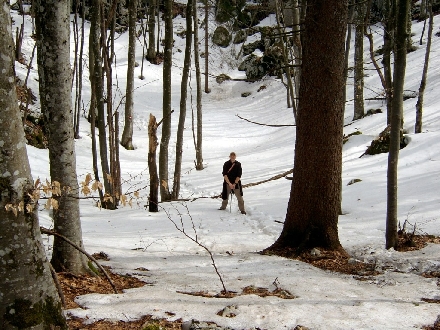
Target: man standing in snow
[{"x": 232, "y": 173}]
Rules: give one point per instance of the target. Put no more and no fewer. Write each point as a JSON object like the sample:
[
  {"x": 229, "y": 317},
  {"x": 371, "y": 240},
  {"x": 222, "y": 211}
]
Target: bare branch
[
  {"x": 51, "y": 232},
  {"x": 269, "y": 125}
]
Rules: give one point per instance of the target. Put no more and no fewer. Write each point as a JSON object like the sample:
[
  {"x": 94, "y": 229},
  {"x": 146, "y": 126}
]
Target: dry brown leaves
[
  {"x": 410, "y": 242},
  {"x": 77, "y": 285},
  {"x": 73, "y": 285},
  {"x": 261, "y": 292},
  {"x": 144, "y": 322}
]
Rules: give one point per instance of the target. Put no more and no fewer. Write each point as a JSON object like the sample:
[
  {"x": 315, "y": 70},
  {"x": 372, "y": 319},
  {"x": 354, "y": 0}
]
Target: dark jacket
[{"x": 232, "y": 173}]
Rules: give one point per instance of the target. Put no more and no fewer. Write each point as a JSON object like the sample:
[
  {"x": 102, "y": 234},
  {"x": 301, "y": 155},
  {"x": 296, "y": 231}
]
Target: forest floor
[{"x": 73, "y": 285}]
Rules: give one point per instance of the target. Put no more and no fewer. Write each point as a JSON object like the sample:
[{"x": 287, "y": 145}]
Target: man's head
[{"x": 232, "y": 156}]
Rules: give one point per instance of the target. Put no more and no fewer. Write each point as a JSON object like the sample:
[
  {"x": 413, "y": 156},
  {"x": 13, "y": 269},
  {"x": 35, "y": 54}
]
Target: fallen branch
[
  {"x": 51, "y": 232},
  {"x": 270, "y": 125},
  {"x": 276, "y": 177}
]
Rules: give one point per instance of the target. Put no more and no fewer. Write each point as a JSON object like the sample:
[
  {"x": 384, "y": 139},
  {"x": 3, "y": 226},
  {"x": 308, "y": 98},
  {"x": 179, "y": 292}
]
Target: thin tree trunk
[
  {"x": 96, "y": 42},
  {"x": 350, "y": 19},
  {"x": 26, "y": 284},
  {"x": 151, "y": 51},
  {"x": 290, "y": 89},
  {"x": 153, "y": 199},
  {"x": 199, "y": 139},
  {"x": 53, "y": 56},
  {"x": 297, "y": 49},
  {"x": 388, "y": 45},
  {"x": 79, "y": 76},
  {"x": 166, "y": 127},
  {"x": 396, "y": 119},
  {"x": 127, "y": 135},
  {"x": 358, "y": 91},
  {"x": 419, "y": 104},
  {"x": 108, "y": 24},
  {"x": 207, "y": 90},
  {"x": 183, "y": 98}
]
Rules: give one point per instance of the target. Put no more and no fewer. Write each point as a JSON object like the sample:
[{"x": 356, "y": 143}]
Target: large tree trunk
[
  {"x": 26, "y": 286},
  {"x": 127, "y": 135},
  {"x": 198, "y": 140},
  {"x": 53, "y": 40},
  {"x": 359, "y": 60},
  {"x": 419, "y": 104},
  {"x": 312, "y": 214},
  {"x": 183, "y": 98},
  {"x": 396, "y": 119},
  {"x": 166, "y": 125}
]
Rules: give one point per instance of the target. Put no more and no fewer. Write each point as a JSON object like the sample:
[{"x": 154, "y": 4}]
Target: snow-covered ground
[{"x": 149, "y": 246}]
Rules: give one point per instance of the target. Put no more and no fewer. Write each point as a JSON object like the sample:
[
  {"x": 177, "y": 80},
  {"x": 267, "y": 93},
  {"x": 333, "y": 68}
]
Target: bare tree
[
  {"x": 127, "y": 135},
  {"x": 358, "y": 92},
  {"x": 96, "y": 80},
  {"x": 419, "y": 104},
  {"x": 388, "y": 45},
  {"x": 312, "y": 213},
  {"x": 166, "y": 125},
  {"x": 26, "y": 286},
  {"x": 198, "y": 140},
  {"x": 153, "y": 200},
  {"x": 396, "y": 120},
  {"x": 79, "y": 73},
  {"x": 151, "y": 52},
  {"x": 207, "y": 90},
  {"x": 183, "y": 98},
  {"x": 53, "y": 40}
]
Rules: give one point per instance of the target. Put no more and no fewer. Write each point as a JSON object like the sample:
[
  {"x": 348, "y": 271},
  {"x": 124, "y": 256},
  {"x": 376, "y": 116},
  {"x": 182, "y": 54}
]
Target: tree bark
[
  {"x": 166, "y": 126},
  {"x": 358, "y": 92},
  {"x": 396, "y": 119},
  {"x": 79, "y": 76},
  {"x": 198, "y": 140},
  {"x": 419, "y": 104},
  {"x": 127, "y": 135},
  {"x": 28, "y": 292},
  {"x": 151, "y": 51},
  {"x": 312, "y": 214},
  {"x": 207, "y": 90},
  {"x": 153, "y": 200},
  {"x": 388, "y": 45},
  {"x": 97, "y": 80},
  {"x": 53, "y": 40},
  {"x": 183, "y": 98}
]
